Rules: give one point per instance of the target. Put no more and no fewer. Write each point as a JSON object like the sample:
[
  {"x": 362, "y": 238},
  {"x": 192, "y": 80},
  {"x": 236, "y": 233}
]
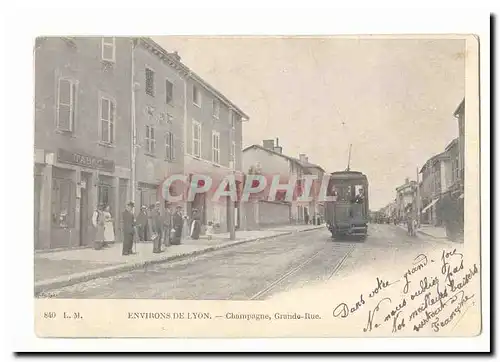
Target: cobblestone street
[{"x": 260, "y": 269}]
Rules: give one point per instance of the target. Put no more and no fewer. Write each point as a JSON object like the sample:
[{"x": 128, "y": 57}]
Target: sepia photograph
[{"x": 321, "y": 171}]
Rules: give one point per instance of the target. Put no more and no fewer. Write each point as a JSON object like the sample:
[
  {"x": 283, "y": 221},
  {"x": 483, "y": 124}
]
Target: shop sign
[{"x": 85, "y": 160}]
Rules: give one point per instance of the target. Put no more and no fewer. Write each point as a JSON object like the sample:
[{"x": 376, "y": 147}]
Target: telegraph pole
[{"x": 133, "y": 125}]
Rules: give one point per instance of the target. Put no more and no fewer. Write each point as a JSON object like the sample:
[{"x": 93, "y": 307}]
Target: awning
[{"x": 430, "y": 205}]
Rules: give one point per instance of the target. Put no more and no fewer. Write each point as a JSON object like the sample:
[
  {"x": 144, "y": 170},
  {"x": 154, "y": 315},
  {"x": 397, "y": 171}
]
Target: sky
[{"x": 392, "y": 99}]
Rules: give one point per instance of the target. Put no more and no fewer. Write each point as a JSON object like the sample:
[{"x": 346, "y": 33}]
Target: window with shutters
[
  {"x": 215, "y": 108},
  {"x": 169, "y": 91},
  {"x": 216, "y": 147},
  {"x": 109, "y": 49},
  {"x": 150, "y": 82},
  {"x": 169, "y": 146},
  {"x": 66, "y": 104},
  {"x": 196, "y": 96},
  {"x": 234, "y": 118},
  {"x": 108, "y": 115},
  {"x": 196, "y": 139},
  {"x": 150, "y": 140}
]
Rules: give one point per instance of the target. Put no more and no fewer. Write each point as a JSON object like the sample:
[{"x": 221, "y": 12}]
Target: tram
[{"x": 348, "y": 214}]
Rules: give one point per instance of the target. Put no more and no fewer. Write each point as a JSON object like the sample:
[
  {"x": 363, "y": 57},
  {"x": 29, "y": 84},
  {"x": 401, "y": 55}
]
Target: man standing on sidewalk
[
  {"x": 128, "y": 229},
  {"x": 156, "y": 226},
  {"x": 167, "y": 226},
  {"x": 177, "y": 221},
  {"x": 142, "y": 223}
]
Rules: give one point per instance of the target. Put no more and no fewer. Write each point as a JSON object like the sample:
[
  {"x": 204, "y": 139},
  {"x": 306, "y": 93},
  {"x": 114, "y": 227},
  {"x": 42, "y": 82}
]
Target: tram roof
[{"x": 348, "y": 175}]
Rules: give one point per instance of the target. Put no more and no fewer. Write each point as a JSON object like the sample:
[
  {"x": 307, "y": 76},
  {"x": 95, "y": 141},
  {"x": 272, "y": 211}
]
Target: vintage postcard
[{"x": 270, "y": 186}]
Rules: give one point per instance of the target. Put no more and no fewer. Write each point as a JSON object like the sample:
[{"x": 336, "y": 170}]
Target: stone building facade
[{"x": 82, "y": 135}]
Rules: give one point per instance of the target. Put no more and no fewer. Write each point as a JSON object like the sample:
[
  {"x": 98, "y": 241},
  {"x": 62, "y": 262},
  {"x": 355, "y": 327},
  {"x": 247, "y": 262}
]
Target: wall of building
[
  {"x": 461, "y": 131},
  {"x": 203, "y": 114},
  {"x": 273, "y": 213},
  {"x": 271, "y": 164},
  {"x": 81, "y": 62},
  {"x": 154, "y": 111},
  {"x": 69, "y": 163}
]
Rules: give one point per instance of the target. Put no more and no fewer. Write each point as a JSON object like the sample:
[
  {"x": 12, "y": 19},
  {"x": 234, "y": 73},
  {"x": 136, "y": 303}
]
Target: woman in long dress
[
  {"x": 109, "y": 233},
  {"x": 98, "y": 223},
  {"x": 195, "y": 225}
]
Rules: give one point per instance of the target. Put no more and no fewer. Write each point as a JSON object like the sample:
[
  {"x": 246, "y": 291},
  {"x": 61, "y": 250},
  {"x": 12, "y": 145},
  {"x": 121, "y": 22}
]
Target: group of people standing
[{"x": 153, "y": 225}]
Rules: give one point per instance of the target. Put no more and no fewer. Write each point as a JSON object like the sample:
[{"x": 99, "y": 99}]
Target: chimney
[
  {"x": 269, "y": 144},
  {"x": 407, "y": 180},
  {"x": 176, "y": 56},
  {"x": 303, "y": 158},
  {"x": 278, "y": 148}
]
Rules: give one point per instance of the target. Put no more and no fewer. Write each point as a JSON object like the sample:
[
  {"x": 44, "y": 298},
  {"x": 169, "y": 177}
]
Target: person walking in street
[
  {"x": 128, "y": 229},
  {"x": 156, "y": 228},
  {"x": 98, "y": 224},
  {"x": 195, "y": 228},
  {"x": 177, "y": 223},
  {"x": 109, "y": 233},
  {"x": 142, "y": 224},
  {"x": 167, "y": 226},
  {"x": 410, "y": 222}
]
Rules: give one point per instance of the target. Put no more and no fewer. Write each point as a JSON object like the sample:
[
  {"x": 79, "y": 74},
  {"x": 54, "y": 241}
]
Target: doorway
[{"x": 84, "y": 211}]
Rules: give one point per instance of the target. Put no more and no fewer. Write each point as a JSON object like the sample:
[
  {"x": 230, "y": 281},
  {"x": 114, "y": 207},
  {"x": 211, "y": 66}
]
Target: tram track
[
  {"x": 341, "y": 262},
  {"x": 290, "y": 273}
]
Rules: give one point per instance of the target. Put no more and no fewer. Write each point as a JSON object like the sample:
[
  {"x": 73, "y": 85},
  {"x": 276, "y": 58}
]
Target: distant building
[
  {"x": 316, "y": 206},
  {"x": 405, "y": 197},
  {"x": 452, "y": 166},
  {"x": 271, "y": 161},
  {"x": 460, "y": 116},
  {"x": 437, "y": 178}
]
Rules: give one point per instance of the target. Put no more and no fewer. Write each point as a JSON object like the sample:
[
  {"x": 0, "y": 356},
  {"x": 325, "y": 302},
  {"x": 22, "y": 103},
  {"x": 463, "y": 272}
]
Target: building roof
[
  {"x": 406, "y": 185},
  {"x": 431, "y": 161},
  {"x": 451, "y": 144},
  {"x": 460, "y": 108},
  {"x": 311, "y": 165},
  {"x": 174, "y": 61},
  {"x": 292, "y": 159}
]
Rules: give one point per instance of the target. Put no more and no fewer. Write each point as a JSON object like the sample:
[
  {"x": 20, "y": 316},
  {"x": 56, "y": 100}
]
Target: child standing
[{"x": 210, "y": 230}]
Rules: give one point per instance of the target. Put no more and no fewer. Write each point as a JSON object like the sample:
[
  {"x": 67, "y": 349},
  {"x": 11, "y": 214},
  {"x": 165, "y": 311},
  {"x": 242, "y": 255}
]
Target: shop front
[{"x": 68, "y": 187}]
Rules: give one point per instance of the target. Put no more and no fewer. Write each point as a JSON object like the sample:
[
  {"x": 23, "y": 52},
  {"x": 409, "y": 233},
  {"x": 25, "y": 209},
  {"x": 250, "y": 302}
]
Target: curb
[
  {"x": 72, "y": 279},
  {"x": 440, "y": 238},
  {"x": 432, "y": 236}
]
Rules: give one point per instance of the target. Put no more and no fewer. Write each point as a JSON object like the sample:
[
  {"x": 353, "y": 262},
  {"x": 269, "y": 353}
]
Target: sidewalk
[
  {"x": 62, "y": 268},
  {"x": 433, "y": 231},
  {"x": 429, "y": 230}
]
